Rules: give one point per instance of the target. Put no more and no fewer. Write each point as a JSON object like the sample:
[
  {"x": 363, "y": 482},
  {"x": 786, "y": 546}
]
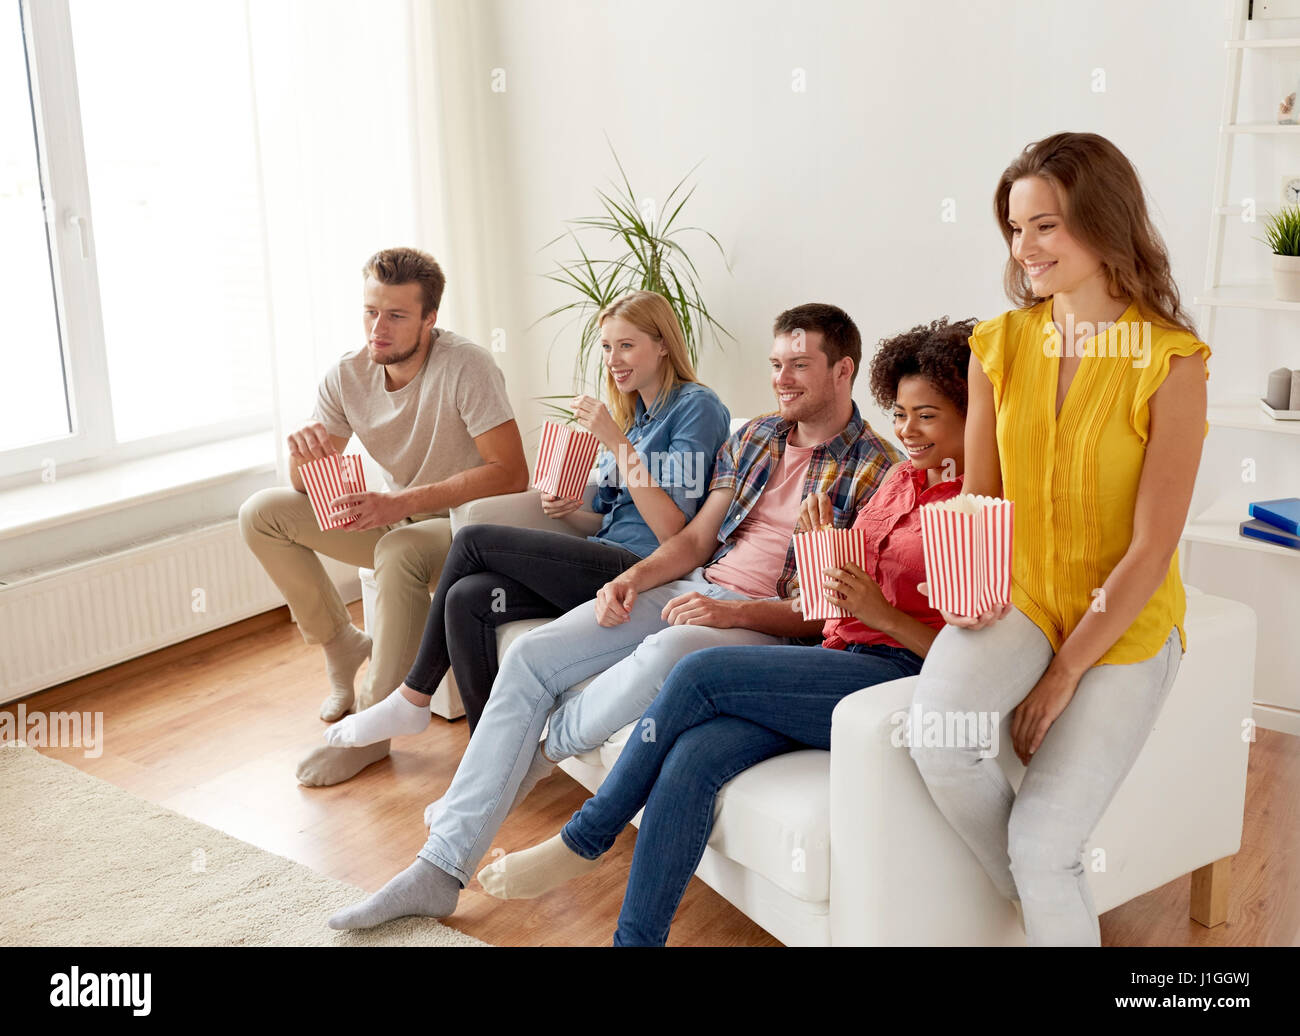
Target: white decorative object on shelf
[
  {"x": 1279, "y": 415},
  {"x": 1278, "y": 393},
  {"x": 1286, "y": 111}
]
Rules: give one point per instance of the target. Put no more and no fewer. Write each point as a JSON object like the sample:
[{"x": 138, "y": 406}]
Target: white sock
[
  {"x": 344, "y": 653},
  {"x": 391, "y": 717}
]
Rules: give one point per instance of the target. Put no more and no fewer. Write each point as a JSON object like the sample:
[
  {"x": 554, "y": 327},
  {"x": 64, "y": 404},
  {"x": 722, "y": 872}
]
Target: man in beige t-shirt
[{"x": 430, "y": 407}]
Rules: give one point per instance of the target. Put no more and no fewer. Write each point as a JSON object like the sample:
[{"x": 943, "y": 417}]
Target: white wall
[{"x": 833, "y": 194}]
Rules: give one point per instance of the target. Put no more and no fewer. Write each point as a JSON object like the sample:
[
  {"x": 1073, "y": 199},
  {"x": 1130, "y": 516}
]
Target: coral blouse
[{"x": 894, "y": 558}]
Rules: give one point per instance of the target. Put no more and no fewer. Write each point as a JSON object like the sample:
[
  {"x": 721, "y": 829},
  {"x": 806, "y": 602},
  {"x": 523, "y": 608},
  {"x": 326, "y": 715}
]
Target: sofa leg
[{"x": 1210, "y": 892}]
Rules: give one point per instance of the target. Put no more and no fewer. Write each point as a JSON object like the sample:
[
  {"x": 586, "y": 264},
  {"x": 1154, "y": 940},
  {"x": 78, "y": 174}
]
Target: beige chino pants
[{"x": 280, "y": 529}]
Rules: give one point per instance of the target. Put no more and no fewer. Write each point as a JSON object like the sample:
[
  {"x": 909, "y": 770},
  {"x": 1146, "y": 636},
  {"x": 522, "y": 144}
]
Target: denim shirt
[{"x": 677, "y": 443}]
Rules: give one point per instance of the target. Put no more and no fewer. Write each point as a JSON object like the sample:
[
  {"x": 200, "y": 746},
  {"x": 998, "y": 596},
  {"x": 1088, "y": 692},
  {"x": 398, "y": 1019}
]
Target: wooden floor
[{"x": 213, "y": 729}]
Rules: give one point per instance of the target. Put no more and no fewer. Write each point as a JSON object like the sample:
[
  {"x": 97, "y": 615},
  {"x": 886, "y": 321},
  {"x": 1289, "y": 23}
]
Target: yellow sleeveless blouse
[{"x": 1074, "y": 477}]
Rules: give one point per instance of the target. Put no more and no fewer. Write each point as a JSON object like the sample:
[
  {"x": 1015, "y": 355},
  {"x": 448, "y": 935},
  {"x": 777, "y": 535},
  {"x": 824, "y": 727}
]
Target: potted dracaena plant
[
  {"x": 650, "y": 257},
  {"x": 1282, "y": 235}
]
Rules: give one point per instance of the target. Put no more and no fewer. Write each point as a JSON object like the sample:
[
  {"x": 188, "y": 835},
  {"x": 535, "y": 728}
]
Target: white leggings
[{"x": 1031, "y": 842}]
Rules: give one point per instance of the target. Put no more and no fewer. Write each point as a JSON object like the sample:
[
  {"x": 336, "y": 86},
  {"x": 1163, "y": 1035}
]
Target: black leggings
[{"x": 496, "y": 574}]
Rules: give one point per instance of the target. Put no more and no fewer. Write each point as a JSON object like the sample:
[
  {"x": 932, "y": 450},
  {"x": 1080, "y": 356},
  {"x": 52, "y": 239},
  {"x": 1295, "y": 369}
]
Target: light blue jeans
[
  {"x": 633, "y": 661},
  {"x": 1030, "y": 843}
]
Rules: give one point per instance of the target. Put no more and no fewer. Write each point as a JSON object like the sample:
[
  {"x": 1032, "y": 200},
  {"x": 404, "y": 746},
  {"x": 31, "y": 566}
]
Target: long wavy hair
[
  {"x": 1104, "y": 207},
  {"x": 650, "y": 313}
]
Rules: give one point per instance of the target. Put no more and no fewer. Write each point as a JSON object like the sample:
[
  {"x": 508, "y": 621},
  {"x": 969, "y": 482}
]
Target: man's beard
[
  {"x": 810, "y": 411},
  {"x": 388, "y": 356}
]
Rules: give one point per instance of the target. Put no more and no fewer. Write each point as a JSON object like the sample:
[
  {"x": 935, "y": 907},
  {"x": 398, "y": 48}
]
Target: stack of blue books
[{"x": 1277, "y": 521}]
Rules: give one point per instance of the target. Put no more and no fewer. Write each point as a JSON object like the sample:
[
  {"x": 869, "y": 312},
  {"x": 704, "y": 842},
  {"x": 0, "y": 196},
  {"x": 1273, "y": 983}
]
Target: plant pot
[{"x": 1286, "y": 277}]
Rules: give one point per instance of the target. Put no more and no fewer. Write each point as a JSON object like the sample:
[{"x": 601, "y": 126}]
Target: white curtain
[
  {"x": 370, "y": 116},
  {"x": 467, "y": 195},
  {"x": 463, "y": 163},
  {"x": 335, "y": 103}
]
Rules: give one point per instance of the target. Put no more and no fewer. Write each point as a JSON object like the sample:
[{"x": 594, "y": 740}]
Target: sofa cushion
[
  {"x": 773, "y": 818},
  {"x": 509, "y": 632}
]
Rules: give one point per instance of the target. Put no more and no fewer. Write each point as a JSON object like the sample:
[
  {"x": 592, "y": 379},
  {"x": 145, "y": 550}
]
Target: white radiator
[{"x": 63, "y": 623}]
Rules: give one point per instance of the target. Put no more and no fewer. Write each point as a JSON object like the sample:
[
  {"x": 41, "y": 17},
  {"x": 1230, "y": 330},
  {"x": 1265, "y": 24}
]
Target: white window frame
[{"x": 66, "y": 190}]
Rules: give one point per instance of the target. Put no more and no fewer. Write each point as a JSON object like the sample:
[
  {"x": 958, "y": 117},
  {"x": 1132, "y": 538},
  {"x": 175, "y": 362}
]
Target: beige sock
[
  {"x": 343, "y": 657},
  {"x": 328, "y": 765},
  {"x": 531, "y": 872}
]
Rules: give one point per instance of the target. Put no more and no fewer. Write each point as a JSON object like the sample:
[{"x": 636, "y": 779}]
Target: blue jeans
[
  {"x": 532, "y": 691},
  {"x": 721, "y": 711}
]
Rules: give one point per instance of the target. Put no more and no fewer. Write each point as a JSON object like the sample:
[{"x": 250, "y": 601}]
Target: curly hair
[{"x": 938, "y": 351}]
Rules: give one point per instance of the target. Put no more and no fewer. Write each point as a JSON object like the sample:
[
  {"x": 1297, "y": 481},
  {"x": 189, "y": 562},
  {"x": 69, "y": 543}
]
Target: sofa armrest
[{"x": 900, "y": 875}]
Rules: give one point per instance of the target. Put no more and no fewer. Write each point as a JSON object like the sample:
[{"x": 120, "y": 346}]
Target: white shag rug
[{"x": 84, "y": 863}]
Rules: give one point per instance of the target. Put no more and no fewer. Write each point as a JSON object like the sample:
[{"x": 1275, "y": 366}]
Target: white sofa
[{"x": 846, "y": 848}]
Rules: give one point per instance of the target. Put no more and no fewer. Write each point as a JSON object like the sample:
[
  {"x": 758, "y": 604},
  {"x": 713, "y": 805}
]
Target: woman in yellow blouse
[{"x": 1087, "y": 409}]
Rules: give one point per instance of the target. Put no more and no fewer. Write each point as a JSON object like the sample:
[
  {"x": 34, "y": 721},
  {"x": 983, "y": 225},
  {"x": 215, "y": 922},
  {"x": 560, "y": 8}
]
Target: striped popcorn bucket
[
  {"x": 564, "y": 460},
  {"x": 966, "y": 543},
  {"x": 816, "y": 551},
  {"x": 330, "y": 477}
]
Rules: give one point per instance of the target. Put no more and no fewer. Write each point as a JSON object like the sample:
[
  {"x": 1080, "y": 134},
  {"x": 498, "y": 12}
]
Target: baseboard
[{"x": 1274, "y": 717}]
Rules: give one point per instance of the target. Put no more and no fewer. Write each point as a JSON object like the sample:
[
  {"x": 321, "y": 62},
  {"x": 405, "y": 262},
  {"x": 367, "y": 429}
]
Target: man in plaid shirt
[
  {"x": 848, "y": 468},
  {"x": 725, "y": 579}
]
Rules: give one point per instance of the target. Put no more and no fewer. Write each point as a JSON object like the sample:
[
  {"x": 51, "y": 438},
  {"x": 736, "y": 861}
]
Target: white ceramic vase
[{"x": 1286, "y": 277}]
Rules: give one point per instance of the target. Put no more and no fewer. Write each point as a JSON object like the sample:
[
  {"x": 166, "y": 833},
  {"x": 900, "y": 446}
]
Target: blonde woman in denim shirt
[{"x": 660, "y": 424}]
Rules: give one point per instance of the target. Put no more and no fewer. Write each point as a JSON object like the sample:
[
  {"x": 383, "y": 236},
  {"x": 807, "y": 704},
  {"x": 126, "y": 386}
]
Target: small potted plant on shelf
[{"x": 1282, "y": 234}]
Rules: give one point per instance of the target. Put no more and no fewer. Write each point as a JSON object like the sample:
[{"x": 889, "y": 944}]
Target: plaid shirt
[{"x": 849, "y": 467}]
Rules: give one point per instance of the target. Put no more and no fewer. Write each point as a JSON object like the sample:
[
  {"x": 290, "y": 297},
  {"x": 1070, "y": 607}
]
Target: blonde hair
[
  {"x": 1104, "y": 207},
  {"x": 650, "y": 313}
]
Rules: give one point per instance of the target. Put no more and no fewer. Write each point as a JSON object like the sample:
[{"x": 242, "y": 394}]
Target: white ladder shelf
[
  {"x": 1218, "y": 523},
  {"x": 1214, "y": 556}
]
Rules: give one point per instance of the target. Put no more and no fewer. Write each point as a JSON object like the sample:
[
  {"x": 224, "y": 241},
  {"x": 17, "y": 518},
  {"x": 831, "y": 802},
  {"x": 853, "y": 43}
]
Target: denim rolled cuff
[
  {"x": 571, "y": 836},
  {"x": 429, "y": 856}
]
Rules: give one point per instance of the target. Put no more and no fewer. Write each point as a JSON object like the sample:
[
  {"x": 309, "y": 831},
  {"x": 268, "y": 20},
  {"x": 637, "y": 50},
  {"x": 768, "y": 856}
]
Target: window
[
  {"x": 132, "y": 245},
  {"x": 36, "y": 407}
]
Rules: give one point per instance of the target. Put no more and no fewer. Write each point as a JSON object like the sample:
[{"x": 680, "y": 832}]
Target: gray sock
[
  {"x": 422, "y": 890},
  {"x": 343, "y": 657}
]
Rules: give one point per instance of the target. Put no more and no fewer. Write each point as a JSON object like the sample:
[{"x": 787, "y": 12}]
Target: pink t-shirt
[{"x": 753, "y": 565}]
